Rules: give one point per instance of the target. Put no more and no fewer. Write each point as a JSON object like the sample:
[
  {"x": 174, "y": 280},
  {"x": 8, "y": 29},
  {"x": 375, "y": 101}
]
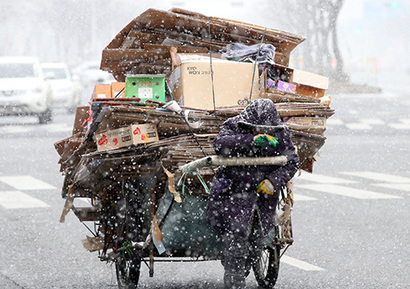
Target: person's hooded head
[
  {"x": 262, "y": 112},
  {"x": 260, "y": 115}
]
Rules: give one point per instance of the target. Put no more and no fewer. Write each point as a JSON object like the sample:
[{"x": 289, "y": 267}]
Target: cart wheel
[
  {"x": 128, "y": 271},
  {"x": 266, "y": 268}
]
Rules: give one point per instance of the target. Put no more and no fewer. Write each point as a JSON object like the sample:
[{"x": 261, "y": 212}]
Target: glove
[
  {"x": 265, "y": 187},
  {"x": 265, "y": 139}
]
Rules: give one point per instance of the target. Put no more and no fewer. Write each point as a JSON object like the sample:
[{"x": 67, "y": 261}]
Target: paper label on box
[
  {"x": 285, "y": 86},
  {"x": 126, "y": 136},
  {"x": 145, "y": 92},
  {"x": 195, "y": 71},
  {"x": 144, "y": 133},
  {"x": 114, "y": 139}
]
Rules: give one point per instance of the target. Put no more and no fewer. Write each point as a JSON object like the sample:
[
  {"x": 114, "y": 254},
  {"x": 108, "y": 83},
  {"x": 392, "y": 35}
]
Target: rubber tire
[
  {"x": 45, "y": 117},
  {"x": 128, "y": 263},
  {"x": 266, "y": 268},
  {"x": 128, "y": 271}
]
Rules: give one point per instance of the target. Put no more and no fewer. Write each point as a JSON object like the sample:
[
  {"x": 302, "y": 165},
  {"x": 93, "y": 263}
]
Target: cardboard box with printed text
[
  {"x": 126, "y": 136},
  {"x": 192, "y": 85}
]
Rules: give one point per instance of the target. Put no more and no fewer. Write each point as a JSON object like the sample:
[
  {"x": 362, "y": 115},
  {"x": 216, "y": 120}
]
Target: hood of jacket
[{"x": 261, "y": 112}]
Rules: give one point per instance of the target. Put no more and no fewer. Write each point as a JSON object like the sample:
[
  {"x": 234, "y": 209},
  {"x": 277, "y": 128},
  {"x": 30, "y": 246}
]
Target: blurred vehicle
[
  {"x": 89, "y": 74},
  {"x": 24, "y": 89},
  {"x": 65, "y": 92}
]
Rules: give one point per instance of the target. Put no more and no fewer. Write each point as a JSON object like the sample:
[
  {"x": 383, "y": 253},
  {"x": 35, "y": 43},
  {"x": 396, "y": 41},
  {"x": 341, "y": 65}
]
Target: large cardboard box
[
  {"x": 309, "y": 84},
  {"x": 126, "y": 136},
  {"x": 191, "y": 83}
]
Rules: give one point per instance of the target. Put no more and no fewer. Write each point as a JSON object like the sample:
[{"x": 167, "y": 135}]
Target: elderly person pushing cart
[{"x": 244, "y": 198}]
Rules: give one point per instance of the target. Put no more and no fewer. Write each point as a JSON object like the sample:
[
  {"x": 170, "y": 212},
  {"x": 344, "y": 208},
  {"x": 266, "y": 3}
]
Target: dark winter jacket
[{"x": 234, "y": 188}]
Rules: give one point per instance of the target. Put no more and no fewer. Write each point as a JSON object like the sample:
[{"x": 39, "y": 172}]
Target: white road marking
[
  {"x": 300, "y": 264},
  {"x": 26, "y": 183},
  {"x": 53, "y": 127},
  {"x": 323, "y": 179},
  {"x": 334, "y": 121},
  {"x": 298, "y": 198},
  {"x": 347, "y": 192},
  {"x": 399, "y": 125},
  {"x": 368, "y": 123},
  {"x": 380, "y": 177},
  {"x": 19, "y": 200},
  {"x": 15, "y": 129},
  {"x": 405, "y": 120},
  {"x": 358, "y": 126},
  {"x": 394, "y": 187},
  {"x": 372, "y": 121},
  {"x": 58, "y": 127}
]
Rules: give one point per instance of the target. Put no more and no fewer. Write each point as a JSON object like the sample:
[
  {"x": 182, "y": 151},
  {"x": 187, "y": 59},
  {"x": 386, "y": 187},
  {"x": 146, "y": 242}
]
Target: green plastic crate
[{"x": 146, "y": 86}]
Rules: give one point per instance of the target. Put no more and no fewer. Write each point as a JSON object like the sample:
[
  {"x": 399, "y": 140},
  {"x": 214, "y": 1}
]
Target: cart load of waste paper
[{"x": 179, "y": 76}]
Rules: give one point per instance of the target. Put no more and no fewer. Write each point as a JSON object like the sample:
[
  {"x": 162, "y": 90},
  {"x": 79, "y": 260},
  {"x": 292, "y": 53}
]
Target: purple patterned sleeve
[{"x": 231, "y": 143}]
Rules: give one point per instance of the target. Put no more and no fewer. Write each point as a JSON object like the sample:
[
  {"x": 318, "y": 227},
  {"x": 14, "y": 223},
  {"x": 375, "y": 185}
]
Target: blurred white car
[
  {"x": 65, "y": 92},
  {"x": 23, "y": 88},
  {"x": 90, "y": 74}
]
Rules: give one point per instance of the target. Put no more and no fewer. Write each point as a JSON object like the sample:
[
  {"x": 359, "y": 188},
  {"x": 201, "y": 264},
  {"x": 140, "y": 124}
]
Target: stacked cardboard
[
  {"x": 174, "y": 144},
  {"x": 103, "y": 151},
  {"x": 143, "y": 45}
]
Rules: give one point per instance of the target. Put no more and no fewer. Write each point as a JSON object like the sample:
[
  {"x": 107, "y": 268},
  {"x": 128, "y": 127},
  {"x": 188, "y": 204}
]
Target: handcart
[
  {"x": 148, "y": 200},
  {"x": 139, "y": 226}
]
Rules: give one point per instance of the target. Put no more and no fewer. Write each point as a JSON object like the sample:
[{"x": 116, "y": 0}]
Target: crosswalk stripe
[
  {"x": 300, "y": 264},
  {"x": 346, "y": 191},
  {"x": 394, "y": 187},
  {"x": 400, "y": 126},
  {"x": 323, "y": 179},
  {"x": 380, "y": 177},
  {"x": 19, "y": 200},
  {"x": 358, "y": 126},
  {"x": 26, "y": 183},
  {"x": 298, "y": 198},
  {"x": 55, "y": 127},
  {"x": 334, "y": 121},
  {"x": 15, "y": 129},
  {"x": 405, "y": 120},
  {"x": 372, "y": 121}
]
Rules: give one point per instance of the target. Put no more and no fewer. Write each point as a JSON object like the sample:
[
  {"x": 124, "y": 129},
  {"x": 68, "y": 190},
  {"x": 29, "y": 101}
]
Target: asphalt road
[{"x": 350, "y": 219}]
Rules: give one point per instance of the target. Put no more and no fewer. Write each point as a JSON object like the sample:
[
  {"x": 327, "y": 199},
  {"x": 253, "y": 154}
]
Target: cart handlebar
[{"x": 234, "y": 161}]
